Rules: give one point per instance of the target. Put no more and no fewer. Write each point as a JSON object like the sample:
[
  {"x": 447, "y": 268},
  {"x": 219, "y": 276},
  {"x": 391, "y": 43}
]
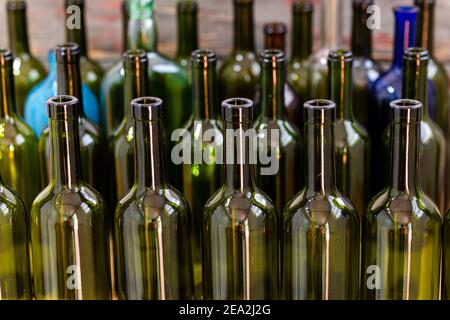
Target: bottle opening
[
  {"x": 406, "y": 104},
  {"x": 201, "y": 55},
  {"x": 405, "y": 111},
  {"x": 6, "y": 56},
  {"x": 63, "y": 107},
  {"x": 16, "y": 5},
  {"x": 147, "y": 109},
  {"x": 301, "y": 6},
  {"x": 320, "y": 111},
  {"x": 406, "y": 9},
  {"x": 79, "y": 3},
  {"x": 133, "y": 57},
  {"x": 69, "y": 50},
  {"x": 340, "y": 55},
  {"x": 416, "y": 53},
  {"x": 187, "y": 6},
  {"x": 237, "y": 110},
  {"x": 271, "y": 55}
]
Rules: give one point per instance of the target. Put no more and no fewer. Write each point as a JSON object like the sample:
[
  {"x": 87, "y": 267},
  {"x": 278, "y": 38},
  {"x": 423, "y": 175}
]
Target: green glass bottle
[
  {"x": 239, "y": 73},
  {"x": 121, "y": 147},
  {"x": 279, "y": 139},
  {"x": 351, "y": 139},
  {"x": 321, "y": 230},
  {"x": 200, "y": 178},
  {"x": 365, "y": 70},
  {"x": 432, "y": 141},
  {"x": 402, "y": 226},
  {"x": 18, "y": 144},
  {"x": 91, "y": 72},
  {"x": 28, "y": 71},
  {"x": 166, "y": 78},
  {"x": 68, "y": 82},
  {"x": 274, "y": 38},
  {"x": 187, "y": 11},
  {"x": 15, "y": 281},
  {"x": 153, "y": 253},
  {"x": 240, "y": 229},
  {"x": 298, "y": 67},
  {"x": 446, "y": 259},
  {"x": 68, "y": 219}
]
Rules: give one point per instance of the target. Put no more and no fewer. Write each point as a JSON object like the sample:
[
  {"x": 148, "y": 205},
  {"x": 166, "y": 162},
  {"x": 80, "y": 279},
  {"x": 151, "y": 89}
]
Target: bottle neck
[
  {"x": 361, "y": 34},
  {"x": 78, "y": 35},
  {"x": 320, "y": 157},
  {"x": 68, "y": 81},
  {"x": 141, "y": 27},
  {"x": 149, "y": 154},
  {"x": 425, "y": 25},
  {"x": 274, "y": 41},
  {"x": 331, "y": 21},
  {"x": 18, "y": 31},
  {"x": 341, "y": 88},
  {"x": 187, "y": 34},
  {"x": 302, "y": 35},
  {"x": 415, "y": 83},
  {"x": 243, "y": 27},
  {"x": 272, "y": 90},
  {"x": 204, "y": 89},
  {"x": 66, "y": 161},
  {"x": 7, "y": 94},
  {"x": 405, "y": 35},
  {"x": 135, "y": 87}
]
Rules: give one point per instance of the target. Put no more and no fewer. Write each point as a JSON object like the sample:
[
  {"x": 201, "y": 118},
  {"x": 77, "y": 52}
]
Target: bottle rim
[
  {"x": 67, "y": 51},
  {"x": 302, "y": 6},
  {"x": 133, "y": 57},
  {"x": 63, "y": 107},
  {"x": 16, "y": 5},
  {"x": 237, "y": 110},
  {"x": 187, "y": 6},
  {"x": 200, "y": 55},
  {"x": 340, "y": 55},
  {"x": 416, "y": 53},
  {"x": 271, "y": 56},
  {"x": 147, "y": 108},
  {"x": 6, "y": 57}
]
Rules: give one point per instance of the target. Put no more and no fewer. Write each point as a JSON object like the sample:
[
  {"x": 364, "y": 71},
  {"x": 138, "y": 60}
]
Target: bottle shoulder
[
  {"x": 91, "y": 68},
  {"x": 27, "y": 65},
  {"x": 240, "y": 64},
  {"x": 350, "y": 133},
  {"x": 15, "y": 131},
  {"x": 10, "y": 201},
  {"x": 288, "y": 133}
]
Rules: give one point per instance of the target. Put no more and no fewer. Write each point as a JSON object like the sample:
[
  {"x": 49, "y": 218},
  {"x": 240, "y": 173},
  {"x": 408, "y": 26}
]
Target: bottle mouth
[
  {"x": 320, "y": 111},
  {"x": 403, "y": 104},
  {"x": 405, "y": 111},
  {"x": 133, "y": 57},
  {"x": 63, "y": 107},
  {"x": 202, "y": 55},
  {"x": 416, "y": 53},
  {"x": 406, "y": 10},
  {"x": 237, "y": 110},
  {"x": 79, "y": 3},
  {"x": 67, "y": 51},
  {"x": 6, "y": 57},
  {"x": 147, "y": 109},
  {"x": 278, "y": 28},
  {"x": 187, "y": 6},
  {"x": 340, "y": 55},
  {"x": 243, "y": 2},
  {"x": 271, "y": 56},
  {"x": 16, "y": 5},
  {"x": 305, "y": 6}
]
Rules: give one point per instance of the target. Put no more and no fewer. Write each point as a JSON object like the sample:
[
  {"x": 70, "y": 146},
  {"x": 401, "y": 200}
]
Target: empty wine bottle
[
  {"x": 239, "y": 74},
  {"x": 365, "y": 70},
  {"x": 153, "y": 253},
  {"x": 240, "y": 240},
  {"x": 91, "y": 142},
  {"x": 121, "y": 148},
  {"x": 28, "y": 71},
  {"x": 351, "y": 139},
  {"x": 91, "y": 72},
  {"x": 321, "y": 230},
  {"x": 204, "y": 138},
  {"x": 402, "y": 226},
  {"x": 187, "y": 33},
  {"x": 274, "y": 38},
  {"x": 15, "y": 281},
  {"x": 68, "y": 223},
  {"x": 18, "y": 145}
]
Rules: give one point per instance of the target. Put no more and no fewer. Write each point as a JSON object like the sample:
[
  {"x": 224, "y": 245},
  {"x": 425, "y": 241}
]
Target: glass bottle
[
  {"x": 91, "y": 72},
  {"x": 402, "y": 226},
  {"x": 153, "y": 253},
  {"x": 205, "y": 138},
  {"x": 274, "y": 38},
  {"x": 321, "y": 230},
  {"x": 365, "y": 70},
  {"x": 239, "y": 73},
  {"x": 15, "y": 281},
  {"x": 351, "y": 139},
  {"x": 91, "y": 143},
  {"x": 18, "y": 145},
  {"x": 125, "y": 17},
  {"x": 240, "y": 229},
  {"x": 187, "y": 12},
  {"x": 446, "y": 258},
  {"x": 121, "y": 147},
  {"x": 28, "y": 71},
  {"x": 68, "y": 219}
]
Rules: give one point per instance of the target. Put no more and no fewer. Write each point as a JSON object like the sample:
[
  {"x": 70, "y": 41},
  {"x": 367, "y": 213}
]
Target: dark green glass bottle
[
  {"x": 321, "y": 230},
  {"x": 279, "y": 139},
  {"x": 15, "y": 281},
  {"x": 153, "y": 253},
  {"x": 274, "y": 38},
  {"x": 200, "y": 178},
  {"x": 239, "y": 74},
  {"x": 68, "y": 82},
  {"x": 432, "y": 141},
  {"x": 298, "y": 67},
  {"x": 240, "y": 229},
  {"x": 68, "y": 219},
  {"x": 28, "y": 71},
  {"x": 91, "y": 72},
  {"x": 121, "y": 147},
  {"x": 402, "y": 226},
  {"x": 18, "y": 145},
  {"x": 187, "y": 12},
  {"x": 351, "y": 139},
  {"x": 365, "y": 70}
]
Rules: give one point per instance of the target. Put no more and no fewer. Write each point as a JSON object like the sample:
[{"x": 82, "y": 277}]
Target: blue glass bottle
[{"x": 35, "y": 112}]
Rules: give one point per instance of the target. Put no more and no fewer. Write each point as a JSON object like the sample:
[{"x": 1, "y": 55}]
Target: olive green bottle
[
  {"x": 28, "y": 71},
  {"x": 402, "y": 226},
  {"x": 68, "y": 219},
  {"x": 239, "y": 74},
  {"x": 201, "y": 174},
  {"x": 187, "y": 12},
  {"x": 279, "y": 140},
  {"x": 298, "y": 67},
  {"x": 274, "y": 38},
  {"x": 432, "y": 141},
  {"x": 351, "y": 139},
  {"x": 152, "y": 247},
  {"x": 320, "y": 227},
  {"x": 68, "y": 82},
  {"x": 15, "y": 281},
  {"x": 91, "y": 72},
  {"x": 18, "y": 144},
  {"x": 240, "y": 229},
  {"x": 120, "y": 144}
]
